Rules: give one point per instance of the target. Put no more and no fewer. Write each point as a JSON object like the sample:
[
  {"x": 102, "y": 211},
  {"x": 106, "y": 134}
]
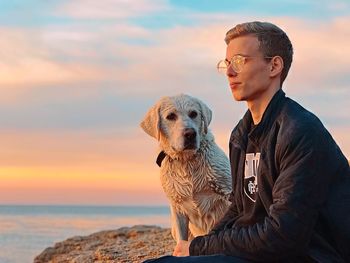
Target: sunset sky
[{"x": 77, "y": 77}]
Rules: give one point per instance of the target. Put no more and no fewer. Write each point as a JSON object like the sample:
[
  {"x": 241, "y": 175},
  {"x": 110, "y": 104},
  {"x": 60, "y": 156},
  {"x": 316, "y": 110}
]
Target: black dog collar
[{"x": 160, "y": 158}]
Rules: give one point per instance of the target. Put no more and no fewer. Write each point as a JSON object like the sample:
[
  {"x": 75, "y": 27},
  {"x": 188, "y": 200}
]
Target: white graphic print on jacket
[{"x": 250, "y": 175}]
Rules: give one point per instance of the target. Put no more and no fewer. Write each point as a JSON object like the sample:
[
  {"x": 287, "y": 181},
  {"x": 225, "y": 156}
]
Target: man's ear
[
  {"x": 276, "y": 66},
  {"x": 206, "y": 115},
  {"x": 151, "y": 122}
]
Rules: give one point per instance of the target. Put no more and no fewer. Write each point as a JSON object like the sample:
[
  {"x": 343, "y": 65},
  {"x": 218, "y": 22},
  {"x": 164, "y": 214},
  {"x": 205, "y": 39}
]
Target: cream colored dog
[{"x": 194, "y": 171}]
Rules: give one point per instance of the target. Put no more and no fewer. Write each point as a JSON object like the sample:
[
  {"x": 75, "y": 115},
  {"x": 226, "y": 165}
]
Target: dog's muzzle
[{"x": 190, "y": 139}]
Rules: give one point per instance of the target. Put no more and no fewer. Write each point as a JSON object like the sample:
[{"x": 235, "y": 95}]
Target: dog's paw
[{"x": 182, "y": 249}]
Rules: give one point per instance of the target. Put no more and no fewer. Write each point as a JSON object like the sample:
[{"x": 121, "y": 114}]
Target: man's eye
[
  {"x": 171, "y": 117},
  {"x": 193, "y": 114}
]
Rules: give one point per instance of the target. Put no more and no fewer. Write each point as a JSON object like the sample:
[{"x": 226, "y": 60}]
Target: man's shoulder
[
  {"x": 295, "y": 117},
  {"x": 297, "y": 125}
]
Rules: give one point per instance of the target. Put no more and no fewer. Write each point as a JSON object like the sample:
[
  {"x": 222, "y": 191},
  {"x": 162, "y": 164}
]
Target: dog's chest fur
[
  {"x": 188, "y": 184},
  {"x": 182, "y": 179}
]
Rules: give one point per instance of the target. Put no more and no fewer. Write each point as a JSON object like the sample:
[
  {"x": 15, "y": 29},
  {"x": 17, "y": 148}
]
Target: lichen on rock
[{"x": 126, "y": 244}]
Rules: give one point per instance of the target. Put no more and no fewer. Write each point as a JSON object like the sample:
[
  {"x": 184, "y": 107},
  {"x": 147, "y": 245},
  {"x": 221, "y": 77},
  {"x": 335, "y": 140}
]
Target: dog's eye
[
  {"x": 171, "y": 117},
  {"x": 193, "y": 114}
]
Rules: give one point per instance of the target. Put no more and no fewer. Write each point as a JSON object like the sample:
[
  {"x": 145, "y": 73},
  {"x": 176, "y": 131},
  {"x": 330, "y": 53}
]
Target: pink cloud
[
  {"x": 321, "y": 53},
  {"x": 28, "y": 64},
  {"x": 179, "y": 59},
  {"x": 83, "y": 161},
  {"x": 38, "y": 72},
  {"x": 90, "y": 9},
  {"x": 182, "y": 53}
]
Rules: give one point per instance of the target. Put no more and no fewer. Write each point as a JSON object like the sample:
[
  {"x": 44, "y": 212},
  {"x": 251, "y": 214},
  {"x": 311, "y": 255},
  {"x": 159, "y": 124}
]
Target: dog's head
[{"x": 178, "y": 123}]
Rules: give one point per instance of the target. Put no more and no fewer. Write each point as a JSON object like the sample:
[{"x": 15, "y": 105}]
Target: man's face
[{"x": 254, "y": 79}]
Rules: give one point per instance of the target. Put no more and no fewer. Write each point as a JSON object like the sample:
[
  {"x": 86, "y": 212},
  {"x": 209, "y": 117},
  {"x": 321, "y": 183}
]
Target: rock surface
[{"x": 126, "y": 244}]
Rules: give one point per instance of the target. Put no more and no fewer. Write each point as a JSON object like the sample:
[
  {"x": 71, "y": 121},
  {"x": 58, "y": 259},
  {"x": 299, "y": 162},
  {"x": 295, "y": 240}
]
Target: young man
[{"x": 291, "y": 182}]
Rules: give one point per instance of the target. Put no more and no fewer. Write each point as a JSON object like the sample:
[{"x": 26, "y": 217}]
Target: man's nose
[{"x": 230, "y": 72}]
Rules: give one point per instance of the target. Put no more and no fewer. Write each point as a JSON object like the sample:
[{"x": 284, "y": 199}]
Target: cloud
[
  {"x": 65, "y": 54},
  {"x": 110, "y": 9},
  {"x": 340, "y": 5},
  {"x": 78, "y": 160},
  {"x": 27, "y": 64},
  {"x": 74, "y": 148},
  {"x": 79, "y": 66},
  {"x": 321, "y": 55},
  {"x": 78, "y": 90},
  {"x": 39, "y": 72}
]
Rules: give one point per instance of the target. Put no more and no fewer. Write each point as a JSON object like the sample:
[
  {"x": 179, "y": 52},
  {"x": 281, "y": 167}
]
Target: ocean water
[{"x": 25, "y": 231}]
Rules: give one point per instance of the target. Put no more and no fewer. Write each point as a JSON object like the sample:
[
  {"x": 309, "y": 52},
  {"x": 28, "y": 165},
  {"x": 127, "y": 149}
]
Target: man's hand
[{"x": 182, "y": 249}]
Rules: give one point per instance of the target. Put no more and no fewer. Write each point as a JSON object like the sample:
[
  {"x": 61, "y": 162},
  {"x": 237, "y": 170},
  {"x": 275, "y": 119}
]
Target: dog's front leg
[
  {"x": 181, "y": 226},
  {"x": 182, "y": 244}
]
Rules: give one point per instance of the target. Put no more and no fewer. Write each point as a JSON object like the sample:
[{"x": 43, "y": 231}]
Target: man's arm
[
  {"x": 298, "y": 194},
  {"x": 230, "y": 214}
]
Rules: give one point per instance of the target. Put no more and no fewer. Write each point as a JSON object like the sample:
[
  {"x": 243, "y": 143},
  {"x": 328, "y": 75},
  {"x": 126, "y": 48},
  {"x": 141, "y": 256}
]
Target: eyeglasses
[{"x": 237, "y": 63}]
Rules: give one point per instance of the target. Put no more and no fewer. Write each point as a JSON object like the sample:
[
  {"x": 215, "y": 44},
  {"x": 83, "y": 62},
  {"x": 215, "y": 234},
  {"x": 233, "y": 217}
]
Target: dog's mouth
[
  {"x": 187, "y": 147},
  {"x": 190, "y": 146}
]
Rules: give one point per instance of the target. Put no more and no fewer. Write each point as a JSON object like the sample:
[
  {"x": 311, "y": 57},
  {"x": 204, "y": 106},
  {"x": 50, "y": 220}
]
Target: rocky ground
[{"x": 127, "y": 244}]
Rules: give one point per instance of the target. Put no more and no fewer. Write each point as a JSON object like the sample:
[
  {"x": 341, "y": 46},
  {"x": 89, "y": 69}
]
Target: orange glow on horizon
[
  {"x": 70, "y": 178},
  {"x": 87, "y": 176}
]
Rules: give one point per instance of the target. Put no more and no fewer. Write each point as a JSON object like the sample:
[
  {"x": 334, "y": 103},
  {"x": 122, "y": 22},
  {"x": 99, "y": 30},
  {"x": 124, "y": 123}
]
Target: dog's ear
[
  {"x": 206, "y": 115},
  {"x": 151, "y": 122}
]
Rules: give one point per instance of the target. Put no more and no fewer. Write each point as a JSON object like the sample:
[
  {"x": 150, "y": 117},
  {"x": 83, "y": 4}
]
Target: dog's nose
[{"x": 190, "y": 134}]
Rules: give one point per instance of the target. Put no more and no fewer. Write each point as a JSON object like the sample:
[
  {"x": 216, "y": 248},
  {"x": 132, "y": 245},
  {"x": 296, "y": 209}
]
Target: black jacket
[{"x": 304, "y": 185}]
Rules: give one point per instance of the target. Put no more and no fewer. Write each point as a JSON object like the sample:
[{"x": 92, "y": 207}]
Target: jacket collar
[{"x": 242, "y": 131}]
